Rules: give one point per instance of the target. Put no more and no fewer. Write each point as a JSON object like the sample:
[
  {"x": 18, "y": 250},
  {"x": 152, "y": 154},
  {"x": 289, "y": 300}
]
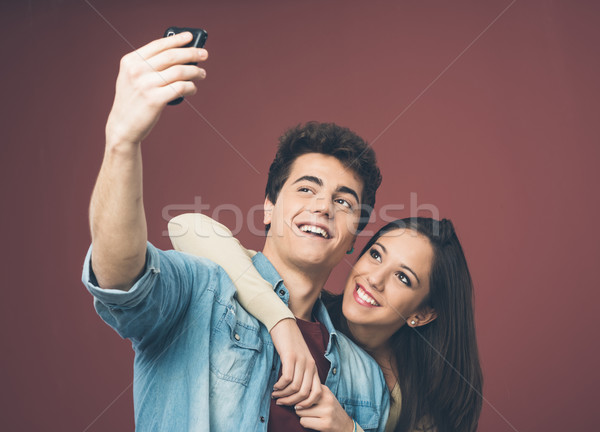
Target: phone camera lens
[{"x": 171, "y": 33}]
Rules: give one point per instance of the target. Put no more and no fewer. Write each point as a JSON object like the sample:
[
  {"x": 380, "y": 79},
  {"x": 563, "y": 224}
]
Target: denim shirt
[{"x": 203, "y": 363}]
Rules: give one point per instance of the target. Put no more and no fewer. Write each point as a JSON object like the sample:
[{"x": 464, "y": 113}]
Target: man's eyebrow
[
  {"x": 346, "y": 189},
  {"x": 401, "y": 265},
  {"x": 318, "y": 181},
  {"x": 311, "y": 179}
]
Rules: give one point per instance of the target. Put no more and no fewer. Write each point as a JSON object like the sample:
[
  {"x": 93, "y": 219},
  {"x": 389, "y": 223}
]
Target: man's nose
[{"x": 322, "y": 205}]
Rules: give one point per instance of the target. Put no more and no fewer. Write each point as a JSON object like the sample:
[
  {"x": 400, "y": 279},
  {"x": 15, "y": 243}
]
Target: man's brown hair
[{"x": 332, "y": 140}]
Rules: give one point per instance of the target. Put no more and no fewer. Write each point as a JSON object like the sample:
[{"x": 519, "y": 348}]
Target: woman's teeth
[{"x": 366, "y": 297}]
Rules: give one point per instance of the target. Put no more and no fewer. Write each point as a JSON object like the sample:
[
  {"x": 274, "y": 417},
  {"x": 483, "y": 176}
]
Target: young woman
[{"x": 407, "y": 302}]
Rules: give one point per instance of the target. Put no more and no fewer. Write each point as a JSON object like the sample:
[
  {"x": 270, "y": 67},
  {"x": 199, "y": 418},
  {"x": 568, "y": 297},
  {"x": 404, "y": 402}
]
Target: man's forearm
[
  {"x": 117, "y": 219},
  {"x": 148, "y": 79}
]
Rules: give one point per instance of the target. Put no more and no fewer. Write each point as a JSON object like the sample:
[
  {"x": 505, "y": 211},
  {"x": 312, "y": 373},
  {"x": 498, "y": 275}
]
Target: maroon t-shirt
[{"x": 284, "y": 418}]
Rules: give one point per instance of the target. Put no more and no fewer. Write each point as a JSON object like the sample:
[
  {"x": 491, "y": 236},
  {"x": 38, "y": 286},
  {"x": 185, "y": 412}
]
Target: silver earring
[{"x": 413, "y": 322}]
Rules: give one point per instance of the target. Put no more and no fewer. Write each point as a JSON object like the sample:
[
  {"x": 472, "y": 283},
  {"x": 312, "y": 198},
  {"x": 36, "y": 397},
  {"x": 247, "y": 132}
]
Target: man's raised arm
[{"x": 148, "y": 78}]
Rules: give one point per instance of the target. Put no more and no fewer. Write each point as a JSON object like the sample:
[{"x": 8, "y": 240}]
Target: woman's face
[{"x": 388, "y": 283}]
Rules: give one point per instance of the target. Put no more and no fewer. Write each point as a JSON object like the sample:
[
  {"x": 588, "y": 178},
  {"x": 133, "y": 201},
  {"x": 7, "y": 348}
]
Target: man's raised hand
[{"x": 149, "y": 78}]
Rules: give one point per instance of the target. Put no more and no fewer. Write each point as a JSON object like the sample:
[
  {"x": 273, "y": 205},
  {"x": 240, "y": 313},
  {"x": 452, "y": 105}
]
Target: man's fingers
[
  {"x": 175, "y": 90},
  {"x": 159, "y": 45},
  {"x": 175, "y": 56},
  {"x": 176, "y": 73}
]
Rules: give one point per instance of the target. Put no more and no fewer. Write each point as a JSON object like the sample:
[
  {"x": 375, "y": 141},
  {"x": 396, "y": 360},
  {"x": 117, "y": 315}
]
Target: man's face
[{"x": 314, "y": 220}]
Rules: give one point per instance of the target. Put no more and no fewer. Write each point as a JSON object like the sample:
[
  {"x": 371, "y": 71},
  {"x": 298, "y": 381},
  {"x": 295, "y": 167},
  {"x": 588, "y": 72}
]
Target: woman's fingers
[
  {"x": 296, "y": 361},
  {"x": 305, "y": 384},
  {"x": 327, "y": 415},
  {"x": 288, "y": 366},
  {"x": 311, "y": 423},
  {"x": 320, "y": 409},
  {"x": 315, "y": 393}
]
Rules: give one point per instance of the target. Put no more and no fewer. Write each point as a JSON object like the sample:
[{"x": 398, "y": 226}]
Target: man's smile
[{"x": 318, "y": 230}]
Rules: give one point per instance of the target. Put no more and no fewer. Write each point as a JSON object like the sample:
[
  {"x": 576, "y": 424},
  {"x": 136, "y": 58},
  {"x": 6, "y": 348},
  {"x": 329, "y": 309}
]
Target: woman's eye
[
  {"x": 404, "y": 279},
  {"x": 374, "y": 254}
]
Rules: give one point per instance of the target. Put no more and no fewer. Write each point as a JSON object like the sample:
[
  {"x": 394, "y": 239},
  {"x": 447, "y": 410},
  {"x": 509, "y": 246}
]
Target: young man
[{"x": 202, "y": 362}]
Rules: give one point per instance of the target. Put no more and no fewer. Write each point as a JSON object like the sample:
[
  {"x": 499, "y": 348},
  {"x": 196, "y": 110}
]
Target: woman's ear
[
  {"x": 424, "y": 316},
  {"x": 268, "y": 211}
]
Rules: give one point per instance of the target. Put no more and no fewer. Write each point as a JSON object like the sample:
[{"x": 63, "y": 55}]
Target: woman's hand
[
  {"x": 149, "y": 78},
  {"x": 326, "y": 416},
  {"x": 299, "y": 381}
]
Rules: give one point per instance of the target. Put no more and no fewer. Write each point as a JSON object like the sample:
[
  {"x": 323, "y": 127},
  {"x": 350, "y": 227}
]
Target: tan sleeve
[{"x": 202, "y": 236}]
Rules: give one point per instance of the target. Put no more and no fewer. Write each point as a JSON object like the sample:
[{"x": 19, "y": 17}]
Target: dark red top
[{"x": 284, "y": 418}]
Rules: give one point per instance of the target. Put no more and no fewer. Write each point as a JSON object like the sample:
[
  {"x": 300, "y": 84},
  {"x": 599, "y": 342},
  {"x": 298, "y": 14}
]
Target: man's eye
[
  {"x": 344, "y": 203},
  {"x": 403, "y": 278},
  {"x": 304, "y": 189}
]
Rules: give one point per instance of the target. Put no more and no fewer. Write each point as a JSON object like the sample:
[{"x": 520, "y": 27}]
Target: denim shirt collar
[
  {"x": 269, "y": 273},
  {"x": 266, "y": 269}
]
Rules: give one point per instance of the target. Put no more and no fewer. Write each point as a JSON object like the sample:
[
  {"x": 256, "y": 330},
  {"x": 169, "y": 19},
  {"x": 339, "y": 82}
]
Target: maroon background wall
[{"x": 487, "y": 111}]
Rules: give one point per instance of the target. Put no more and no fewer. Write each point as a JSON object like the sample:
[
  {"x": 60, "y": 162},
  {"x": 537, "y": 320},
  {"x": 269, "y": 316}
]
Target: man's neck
[{"x": 304, "y": 284}]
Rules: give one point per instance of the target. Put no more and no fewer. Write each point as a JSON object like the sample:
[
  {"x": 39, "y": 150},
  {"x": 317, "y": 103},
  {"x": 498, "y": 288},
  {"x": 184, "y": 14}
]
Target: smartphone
[{"x": 198, "y": 40}]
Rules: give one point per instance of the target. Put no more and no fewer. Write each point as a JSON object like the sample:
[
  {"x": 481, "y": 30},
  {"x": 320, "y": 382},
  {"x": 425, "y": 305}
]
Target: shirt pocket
[
  {"x": 363, "y": 412},
  {"x": 234, "y": 348}
]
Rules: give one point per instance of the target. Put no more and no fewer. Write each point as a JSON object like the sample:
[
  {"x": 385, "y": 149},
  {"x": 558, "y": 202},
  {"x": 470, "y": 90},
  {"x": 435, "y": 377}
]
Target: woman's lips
[{"x": 362, "y": 297}]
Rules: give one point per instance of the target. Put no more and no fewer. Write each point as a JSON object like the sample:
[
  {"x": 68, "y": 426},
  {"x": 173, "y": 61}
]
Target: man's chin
[{"x": 317, "y": 258}]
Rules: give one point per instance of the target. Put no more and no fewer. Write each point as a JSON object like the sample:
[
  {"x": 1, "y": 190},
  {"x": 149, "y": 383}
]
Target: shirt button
[
  {"x": 236, "y": 336},
  {"x": 262, "y": 419},
  {"x": 281, "y": 292},
  {"x": 334, "y": 371}
]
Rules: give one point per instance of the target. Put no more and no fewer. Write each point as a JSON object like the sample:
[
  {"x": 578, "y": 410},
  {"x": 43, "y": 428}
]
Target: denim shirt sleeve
[{"x": 148, "y": 312}]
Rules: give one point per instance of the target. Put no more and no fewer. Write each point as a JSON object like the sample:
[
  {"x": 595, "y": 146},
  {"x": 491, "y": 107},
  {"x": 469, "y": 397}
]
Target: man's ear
[
  {"x": 268, "y": 211},
  {"x": 422, "y": 317},
  {"x": 349, "y": 251}
]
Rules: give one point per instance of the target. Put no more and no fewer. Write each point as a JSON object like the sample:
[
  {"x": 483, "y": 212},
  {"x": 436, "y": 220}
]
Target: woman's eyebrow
[
  {"x": 410, "y": 270},
  {"x": 401, "y": 265},
  {"x": 382, "y": 247}
]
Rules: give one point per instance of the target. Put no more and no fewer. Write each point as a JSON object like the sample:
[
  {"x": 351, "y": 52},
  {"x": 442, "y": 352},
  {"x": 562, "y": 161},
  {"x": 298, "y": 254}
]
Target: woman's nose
[{"x": 376, "y": 279}]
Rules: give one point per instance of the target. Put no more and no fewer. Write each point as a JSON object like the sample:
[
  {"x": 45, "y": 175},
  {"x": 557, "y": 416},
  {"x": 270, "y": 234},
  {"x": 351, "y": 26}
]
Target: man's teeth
[
  {"x": 366, "y": 297},
  {"x": 314, "y": 230}
]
